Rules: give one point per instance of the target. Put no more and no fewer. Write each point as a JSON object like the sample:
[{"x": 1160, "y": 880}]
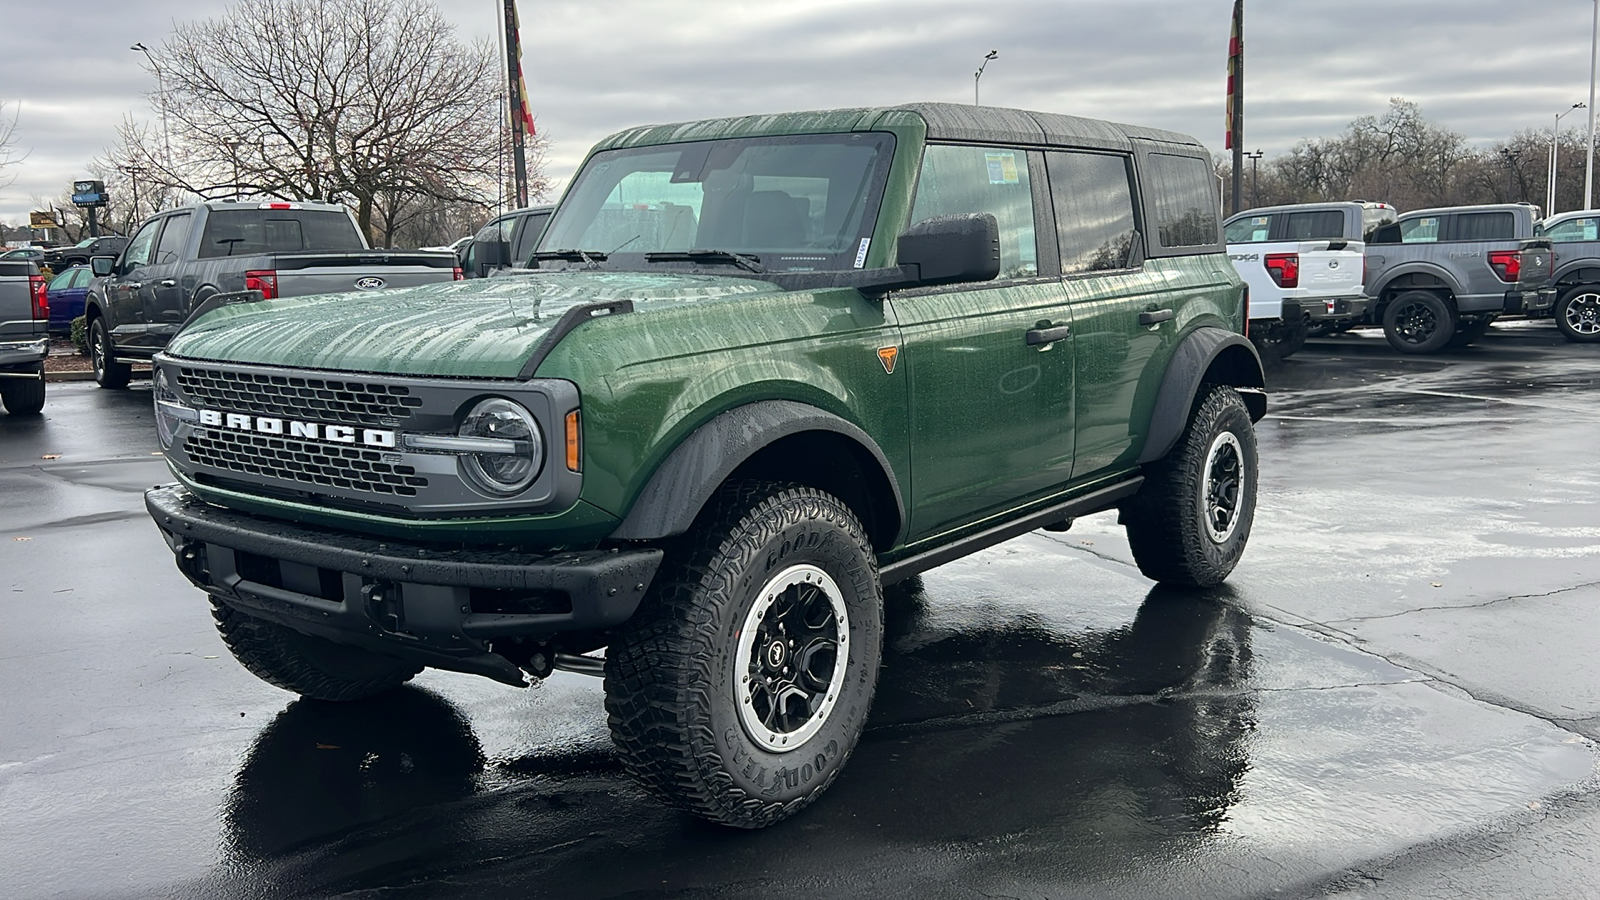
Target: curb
[{"x": 68, "y": 376}]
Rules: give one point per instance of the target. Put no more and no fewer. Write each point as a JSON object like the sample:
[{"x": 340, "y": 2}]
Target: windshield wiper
[
  {"x": 590, "y": 257},
  {"x": 746, "y": 261}
]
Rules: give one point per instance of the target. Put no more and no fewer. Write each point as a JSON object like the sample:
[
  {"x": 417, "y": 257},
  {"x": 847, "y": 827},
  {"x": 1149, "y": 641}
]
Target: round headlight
[
  {"x": 166, "y": 399},
  {"x": 518, "y": 450}
]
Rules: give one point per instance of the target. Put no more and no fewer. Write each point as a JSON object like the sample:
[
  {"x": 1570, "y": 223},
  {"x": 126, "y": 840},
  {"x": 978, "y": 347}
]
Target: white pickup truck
[{"x": 1304, "y": 265}]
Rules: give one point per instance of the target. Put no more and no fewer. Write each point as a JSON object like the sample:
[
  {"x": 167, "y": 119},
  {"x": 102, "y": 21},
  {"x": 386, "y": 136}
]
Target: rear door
[
  {"x": 164, "y": 297},
  {"x": 991, "y": 413}
]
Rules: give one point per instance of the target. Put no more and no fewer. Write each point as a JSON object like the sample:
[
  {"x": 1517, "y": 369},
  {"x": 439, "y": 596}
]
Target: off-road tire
[
  {"x": 308, "y": 666},
  {"x": 1467, "y": 332},
  {"x": 1577, "y": 314},
  {"x": 108, "y": 373},
  {"x": 1419, "y": 322},
  {"x": 674, "y": 676},
  {"x": 22, "y": 396},
  {"x": 1167, "y": 521}
]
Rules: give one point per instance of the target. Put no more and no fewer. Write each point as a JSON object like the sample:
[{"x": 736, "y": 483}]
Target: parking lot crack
[{"x": 1332, "y": 623}]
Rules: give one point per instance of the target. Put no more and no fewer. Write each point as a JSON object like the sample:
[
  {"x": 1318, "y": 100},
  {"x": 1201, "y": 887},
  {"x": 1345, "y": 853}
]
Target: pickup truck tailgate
[
  {"x": 1537, "y": 258},
  {"x": 325, "y": 274},
  {"x": 1330, "y": 273}
]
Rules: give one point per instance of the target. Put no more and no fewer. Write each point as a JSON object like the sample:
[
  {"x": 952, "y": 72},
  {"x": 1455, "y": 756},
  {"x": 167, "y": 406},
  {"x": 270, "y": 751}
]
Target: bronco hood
[{"x": 484, "y": 328}]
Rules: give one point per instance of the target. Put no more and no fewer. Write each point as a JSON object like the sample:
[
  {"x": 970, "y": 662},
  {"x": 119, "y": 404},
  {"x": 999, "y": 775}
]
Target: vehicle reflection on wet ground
[{"x": 1047, "y": 724}]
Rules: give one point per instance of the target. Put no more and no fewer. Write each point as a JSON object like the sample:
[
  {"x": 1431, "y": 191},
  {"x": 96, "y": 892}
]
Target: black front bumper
[{"x": 436, "y": 607}]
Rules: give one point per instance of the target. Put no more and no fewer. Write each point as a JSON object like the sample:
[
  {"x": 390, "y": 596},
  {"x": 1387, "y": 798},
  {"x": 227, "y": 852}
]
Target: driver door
[{"x": 127, "y": 280}]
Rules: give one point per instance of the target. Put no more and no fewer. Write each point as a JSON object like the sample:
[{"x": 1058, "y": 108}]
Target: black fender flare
[
  {"x": 686, "y": 479},
  {"x": 1205, "y": 350}
]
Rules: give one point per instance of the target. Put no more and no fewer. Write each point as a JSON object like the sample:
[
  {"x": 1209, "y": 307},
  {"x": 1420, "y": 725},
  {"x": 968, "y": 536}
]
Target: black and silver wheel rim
[
  {"x": 791, "y": 658},
  {"x": 1223, "y": 489},
  {"x": 1415, "y": 322},
  {"x": 97, "y": 350},
  {"x": 1582, "y": 314}
]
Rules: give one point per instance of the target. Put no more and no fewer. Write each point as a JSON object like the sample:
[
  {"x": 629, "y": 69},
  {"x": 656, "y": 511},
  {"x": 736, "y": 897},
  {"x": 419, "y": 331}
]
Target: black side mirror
[
  {"x": 952, "y": 249},
  {"x": 102, "y": 266},
  {"x": 488, "y": 255}
]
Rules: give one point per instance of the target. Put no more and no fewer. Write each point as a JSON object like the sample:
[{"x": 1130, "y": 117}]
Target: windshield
[{"x": 790, "y": 204}]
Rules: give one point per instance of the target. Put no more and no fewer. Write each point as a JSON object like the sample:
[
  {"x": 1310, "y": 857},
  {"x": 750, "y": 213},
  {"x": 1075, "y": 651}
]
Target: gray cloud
[{"x": 1476, "y": 66}]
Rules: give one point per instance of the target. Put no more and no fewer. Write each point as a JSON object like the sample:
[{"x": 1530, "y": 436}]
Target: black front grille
[
  {"x": 297, "y": 397},
  {"x": 350, "y": 468}
]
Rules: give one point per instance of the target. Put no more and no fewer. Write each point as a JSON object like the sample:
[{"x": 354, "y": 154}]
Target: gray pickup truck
[
  {"x": 24, "y": 342},
  {"x": 182, "y": 257},
  {"x": 1439, "y": 277},
  {"x": 1576, "y": 280}
]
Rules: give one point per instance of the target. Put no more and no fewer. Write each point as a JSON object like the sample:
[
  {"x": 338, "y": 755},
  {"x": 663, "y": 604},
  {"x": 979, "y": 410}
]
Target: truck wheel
[
  {"x": 1467, "y": 332},
  {"x": 1419, "y": 322},
  {"x": 1190, "y": 521},
  {"x": 1280, "y": 340},
  {"x": 1577, "y": 314},
  {"x": 108, "y": 373},
  {"x": 740, "y": 687},
  {"x": 23, "y": 397},
  {"x": 308, "y": 666}
]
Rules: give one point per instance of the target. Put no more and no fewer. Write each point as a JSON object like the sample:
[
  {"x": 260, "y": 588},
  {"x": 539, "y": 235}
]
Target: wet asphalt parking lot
[{"x": 1396, "y": 695}]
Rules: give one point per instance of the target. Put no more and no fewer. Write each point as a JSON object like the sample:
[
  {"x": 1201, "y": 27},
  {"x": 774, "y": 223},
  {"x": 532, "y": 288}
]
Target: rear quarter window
[{"x": 1185, "y": 201}]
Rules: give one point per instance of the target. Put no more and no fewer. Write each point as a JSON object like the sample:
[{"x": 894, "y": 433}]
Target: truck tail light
[
  {"x": 1507, "y": 264},
  {"x": 38, "y": 289},
  {"x": 458, "y": 274},
  {"x": 263, "y": 280},
  {"x": 1284, "y": 268}
]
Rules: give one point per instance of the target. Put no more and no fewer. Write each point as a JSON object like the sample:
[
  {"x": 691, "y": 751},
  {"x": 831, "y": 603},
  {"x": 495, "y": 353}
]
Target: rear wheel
[
  {"x": 108, "y": 373},
  {"x": 739, "y": 689},
  {"x": 1419, "y": 322},
  {"x": 1280, "y": 339},
  {"x": 1577, "y": 313},
  {"x": 23, "y": 396},
  {"x": 308, "y": 666},
  {"x": 1190, "y": 521}
]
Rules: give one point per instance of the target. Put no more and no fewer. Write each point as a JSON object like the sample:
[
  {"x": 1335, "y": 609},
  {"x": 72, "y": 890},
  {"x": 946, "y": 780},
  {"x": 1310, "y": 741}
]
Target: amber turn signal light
[{"x": 574, "y": 443}]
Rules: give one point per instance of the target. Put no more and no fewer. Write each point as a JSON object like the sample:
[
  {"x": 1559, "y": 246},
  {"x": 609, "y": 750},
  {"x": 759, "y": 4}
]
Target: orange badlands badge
[{"x": 887, "y": 356}]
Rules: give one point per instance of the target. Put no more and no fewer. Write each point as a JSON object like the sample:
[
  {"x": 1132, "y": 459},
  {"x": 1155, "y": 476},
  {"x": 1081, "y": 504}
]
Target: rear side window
[
  {"x": 1327, "y": 224},
  {"x": 1185, "y": 200},
  {"x": 1585, "y": 229},
  {"x": 957, "y": 180},
  {"x": 1093, "y": 199},
  {"x": 1249, "y": 230},
  {"x": 1485, "y": 226},
  {"x": 532, "y": 226},
  {"x": 245, "y": 232},
  {"x": 1421, "y": 230},
  {"x": 173, "y": 237}
]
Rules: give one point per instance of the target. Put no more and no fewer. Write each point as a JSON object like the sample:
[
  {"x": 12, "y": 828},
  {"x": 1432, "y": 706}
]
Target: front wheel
[
  {"x": 740, "y": 687},
  {"x": 1577, "y": 314},
  {"x": 1190, "y": 521},
  {"x": 1419, "y": 322},
  {"x": 108, "y": 373},
  {"x": 308, "y": 666},
  {"x": 23, "y": 396}
]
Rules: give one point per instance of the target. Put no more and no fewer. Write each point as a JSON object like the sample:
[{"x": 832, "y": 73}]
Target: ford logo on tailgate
[{"x": 370, "y": 283}]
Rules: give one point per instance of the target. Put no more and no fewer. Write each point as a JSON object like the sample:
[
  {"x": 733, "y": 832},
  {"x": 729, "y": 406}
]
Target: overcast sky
[{"x": 1485, "y": 68}]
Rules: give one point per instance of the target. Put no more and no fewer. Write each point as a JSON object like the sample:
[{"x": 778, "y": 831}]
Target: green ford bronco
[{"x": 758, "y": 368}]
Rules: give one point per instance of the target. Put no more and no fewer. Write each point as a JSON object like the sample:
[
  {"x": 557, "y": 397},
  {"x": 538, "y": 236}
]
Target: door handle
[
  {"x": 1155, "y": 317},
  {"x": 133, "y": 285},
  {"x": 1047, "y": 336},
  {"x": 168, "y": 282}
]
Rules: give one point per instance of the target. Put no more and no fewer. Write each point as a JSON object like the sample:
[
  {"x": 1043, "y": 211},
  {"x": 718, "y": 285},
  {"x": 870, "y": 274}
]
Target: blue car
[{"x": 66, "y": 293}]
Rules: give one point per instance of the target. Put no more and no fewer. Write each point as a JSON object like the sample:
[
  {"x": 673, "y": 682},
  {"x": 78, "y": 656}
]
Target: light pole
[
  {"x": 161, "y": 90},
  {"x": 1555, "y": 137},
  {"x": 994, "y": 54},
  {"x": 133, "y": 173},
  {"x": 1510, "y": 157},
  {"x": 1255, "y": 193},
  {"x": 1588, "y": 162}
]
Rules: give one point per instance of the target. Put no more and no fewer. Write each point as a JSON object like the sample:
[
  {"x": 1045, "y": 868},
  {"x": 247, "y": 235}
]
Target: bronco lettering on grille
[{"x": 338, "y": 434}]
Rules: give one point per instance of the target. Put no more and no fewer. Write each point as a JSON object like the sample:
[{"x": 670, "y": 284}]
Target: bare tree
[
  {"x": 9, "y": 154},
  {"x": 339, "y": 100}
]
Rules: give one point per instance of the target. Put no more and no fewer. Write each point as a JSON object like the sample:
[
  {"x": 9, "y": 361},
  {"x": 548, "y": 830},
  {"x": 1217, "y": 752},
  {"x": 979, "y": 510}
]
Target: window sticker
[
  {"x": 861, "y": 254},
  {"x": 1002, "y": 167}
]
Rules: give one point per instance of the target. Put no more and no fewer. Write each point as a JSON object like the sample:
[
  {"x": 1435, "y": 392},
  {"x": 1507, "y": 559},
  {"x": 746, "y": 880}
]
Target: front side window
[
  {"x": 1093, "y": 198},
  {"x": 139, "y": 249},
  {"x": 64, "y": 280},
  {"x": 1421, "y": 230},
  {"x": 960, "y": 180},
  {"x": 1187, "y": 202},
  {"x": 1582, "y": 229},
  {"x": 794, "y": 203},
  {"x": 1248, "y": 230}
]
